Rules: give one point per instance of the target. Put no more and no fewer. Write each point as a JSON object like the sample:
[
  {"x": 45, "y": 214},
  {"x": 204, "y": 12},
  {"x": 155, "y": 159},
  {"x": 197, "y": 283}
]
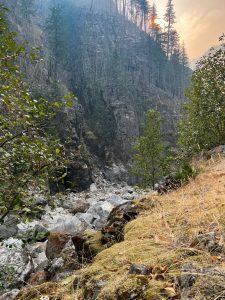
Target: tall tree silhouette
[{"x": 170, "y": 19}]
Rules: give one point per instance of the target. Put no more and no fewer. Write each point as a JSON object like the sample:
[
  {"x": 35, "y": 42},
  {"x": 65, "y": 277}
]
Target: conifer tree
[
  {"x": 150, "y": 161},
  {"x": 170, "y": 19}
]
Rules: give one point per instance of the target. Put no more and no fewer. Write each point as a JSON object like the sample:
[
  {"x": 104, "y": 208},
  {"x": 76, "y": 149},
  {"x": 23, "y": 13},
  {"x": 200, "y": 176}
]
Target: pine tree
[
  {"x": 170, "y": 19},
  {"x": 150, "y": 162}
]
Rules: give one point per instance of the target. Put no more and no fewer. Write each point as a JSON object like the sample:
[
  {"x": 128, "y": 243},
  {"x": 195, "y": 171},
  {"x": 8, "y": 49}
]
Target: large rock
[
  {"x": 15, "y": 265},
  {"x": 9, "y": 228},
  {"x": 38, "y": 255},
  {"x": 65, "y": 264},
  {"x": 56, "y": 243}
]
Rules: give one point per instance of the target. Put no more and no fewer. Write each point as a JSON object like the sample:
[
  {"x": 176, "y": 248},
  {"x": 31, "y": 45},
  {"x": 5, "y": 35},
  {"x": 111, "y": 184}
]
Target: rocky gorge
[{"x": 69, "y": 231}]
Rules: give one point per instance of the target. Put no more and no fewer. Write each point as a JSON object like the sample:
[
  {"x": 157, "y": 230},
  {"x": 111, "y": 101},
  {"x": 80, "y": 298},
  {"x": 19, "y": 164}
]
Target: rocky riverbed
[{"x": 68, "y": 232}]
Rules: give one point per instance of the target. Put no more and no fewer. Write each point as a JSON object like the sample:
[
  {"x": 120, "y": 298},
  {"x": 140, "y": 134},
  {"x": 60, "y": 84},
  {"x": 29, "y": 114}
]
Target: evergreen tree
[
  {"x": 27, "y": 151},
  {"x": 170, "y": 19},
  {"x": 150, "y": 162},
  {"x": 55, "y": 31},
  {"x": 203, "y": 125}
]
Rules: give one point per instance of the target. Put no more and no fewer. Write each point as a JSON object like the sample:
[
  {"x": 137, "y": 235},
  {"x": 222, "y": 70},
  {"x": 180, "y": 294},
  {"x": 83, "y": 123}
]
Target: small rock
[
  {"x": 80, "y": 206},
  {"x": 56, "y": 242},
  {"x": 39, "y": 259},
  {"x": 188, "y": 276},
  {"x": 93, "y": 187},
  {"x": 39, "y": 201},
  {"x": 139, "y": 270},
  {"x": 38, "y": 278}
]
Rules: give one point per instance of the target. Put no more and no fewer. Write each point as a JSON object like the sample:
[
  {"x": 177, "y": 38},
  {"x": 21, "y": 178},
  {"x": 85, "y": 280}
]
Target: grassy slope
[{"x": 164, "y": 239}]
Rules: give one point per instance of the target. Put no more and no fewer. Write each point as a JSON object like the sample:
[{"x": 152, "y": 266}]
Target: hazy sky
[{"x": 199, "y": 23}]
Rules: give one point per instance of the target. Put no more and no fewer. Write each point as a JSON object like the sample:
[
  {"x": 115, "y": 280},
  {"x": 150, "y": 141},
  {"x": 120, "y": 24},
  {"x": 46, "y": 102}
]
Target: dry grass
[{"x": 161, "y": 238}]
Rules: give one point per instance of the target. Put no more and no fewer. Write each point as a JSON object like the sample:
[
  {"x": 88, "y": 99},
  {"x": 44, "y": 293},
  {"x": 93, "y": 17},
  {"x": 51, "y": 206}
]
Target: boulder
[
  {"x": 15, "y": 264},
  {"x": 61, "y": 220},
  {"x": 71, "y": 225},
  {"x": 9, "y": 228},
  {"x": 102, "y": 211},
  {"x": 116, "y": 200}
]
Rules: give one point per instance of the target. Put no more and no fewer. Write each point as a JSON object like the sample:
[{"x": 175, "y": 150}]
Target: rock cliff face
[{"x": 117, "y": 72}]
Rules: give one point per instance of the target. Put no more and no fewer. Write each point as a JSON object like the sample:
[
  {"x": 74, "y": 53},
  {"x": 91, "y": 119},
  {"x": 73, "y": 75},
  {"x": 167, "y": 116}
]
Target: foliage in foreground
[
  {"x": 150, "y": 160},
  {"x": 26, "y": 149},
  {"x": 203, "y": 125}
]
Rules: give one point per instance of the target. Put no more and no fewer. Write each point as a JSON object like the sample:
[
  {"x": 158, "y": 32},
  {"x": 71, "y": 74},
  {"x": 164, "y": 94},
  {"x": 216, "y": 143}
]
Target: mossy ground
[{"x": 160, "y": 239}]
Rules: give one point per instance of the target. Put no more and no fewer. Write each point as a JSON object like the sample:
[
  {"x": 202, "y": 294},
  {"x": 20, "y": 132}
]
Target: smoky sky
[{"x": 199, "y": 22}]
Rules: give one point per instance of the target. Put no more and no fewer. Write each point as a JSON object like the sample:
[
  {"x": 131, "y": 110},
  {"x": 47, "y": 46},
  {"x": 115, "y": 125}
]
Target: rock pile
[{"x": 65, "y": 237}]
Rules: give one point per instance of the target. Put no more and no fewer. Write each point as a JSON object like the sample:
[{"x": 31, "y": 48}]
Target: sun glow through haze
[{"x": 199, "y": 23}]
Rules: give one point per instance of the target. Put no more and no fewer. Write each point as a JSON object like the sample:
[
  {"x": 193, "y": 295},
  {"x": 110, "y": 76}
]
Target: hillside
[
  {"x": 116, "y": 70},
  {"x": 173, "y": 250}
]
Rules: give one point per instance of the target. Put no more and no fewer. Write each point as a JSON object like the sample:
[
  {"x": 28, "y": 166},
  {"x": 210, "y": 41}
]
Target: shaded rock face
[{"x": 113, "y": 75}]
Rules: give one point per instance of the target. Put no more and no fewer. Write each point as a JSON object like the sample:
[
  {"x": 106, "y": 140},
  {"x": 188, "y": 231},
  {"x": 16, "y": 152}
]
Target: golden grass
[{"x": 160, "y": 238}]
